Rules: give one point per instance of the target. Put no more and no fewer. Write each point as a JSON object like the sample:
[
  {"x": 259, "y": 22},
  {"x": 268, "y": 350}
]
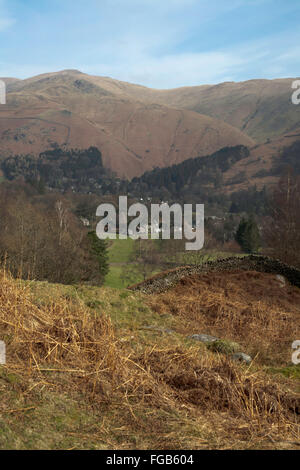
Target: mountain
[
  {"x": 260, "y": 108},
  {"x": 9, "y": 80},
  {"x": 236, "y": 178},
  {"x": 265, "y": 162},
  {"x": 74, "y": 110},
  {"x": 138, "y": 128}
]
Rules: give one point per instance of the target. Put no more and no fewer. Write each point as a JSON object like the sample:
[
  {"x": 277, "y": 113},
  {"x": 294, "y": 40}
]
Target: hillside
[
  {"x": 227, "y": 175},
  {"x": 138, "y": 128},
  {"x": 98, "y": 368},
  {"x": 78, "y": 111},
  {"x": 265, "y": 162},
  {"x": 260, "y": 108}
]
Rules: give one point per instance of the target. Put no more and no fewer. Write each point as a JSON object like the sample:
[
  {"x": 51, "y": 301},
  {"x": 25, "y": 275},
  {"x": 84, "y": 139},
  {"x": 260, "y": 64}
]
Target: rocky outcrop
[{"x": 168, "y": 279}]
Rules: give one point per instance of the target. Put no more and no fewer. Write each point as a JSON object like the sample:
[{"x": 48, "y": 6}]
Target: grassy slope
[
  {"x": 50, "y": 420},
  {"x": 120, "y": 250},
  {"x": 119, "y": 254},
  {"x": 46, "y": 410}
]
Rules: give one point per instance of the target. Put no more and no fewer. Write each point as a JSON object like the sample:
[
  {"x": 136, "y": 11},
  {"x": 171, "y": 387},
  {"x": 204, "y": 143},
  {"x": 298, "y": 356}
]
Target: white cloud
[
  {"x": 151, "y": 42},
  {"x": 254, "y": 59},
  {"x": 175, "y": 70}
]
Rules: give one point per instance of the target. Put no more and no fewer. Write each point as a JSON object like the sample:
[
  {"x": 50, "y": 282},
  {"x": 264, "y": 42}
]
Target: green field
[
  {"x": 115, "y": 277},
  {"x": 120, "y": 252}
]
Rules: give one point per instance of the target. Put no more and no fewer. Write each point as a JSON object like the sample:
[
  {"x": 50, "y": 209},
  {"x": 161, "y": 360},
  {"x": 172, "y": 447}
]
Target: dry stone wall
[{"x": 168, "y": 279}]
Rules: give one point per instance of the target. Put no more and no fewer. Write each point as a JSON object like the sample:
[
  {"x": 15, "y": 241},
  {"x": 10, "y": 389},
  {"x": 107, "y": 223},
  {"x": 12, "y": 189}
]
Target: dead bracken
[{"x": 66, "y": 349}]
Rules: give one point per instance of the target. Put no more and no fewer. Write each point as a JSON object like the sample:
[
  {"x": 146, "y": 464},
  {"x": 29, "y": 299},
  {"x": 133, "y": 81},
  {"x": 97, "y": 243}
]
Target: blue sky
[{"x": 157, "y": 43}]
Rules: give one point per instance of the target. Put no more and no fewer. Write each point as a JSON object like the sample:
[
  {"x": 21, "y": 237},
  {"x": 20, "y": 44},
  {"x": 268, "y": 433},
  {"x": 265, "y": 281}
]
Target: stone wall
[{"x": 169, "y": 279}]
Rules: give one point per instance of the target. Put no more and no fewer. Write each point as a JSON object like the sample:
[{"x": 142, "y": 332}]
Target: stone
[
  {"x": 2, "y": 353},
  {"x": 281, "y": 280},
  {"x": 204, "y": 338},
  {"x": 241, "y": 357}
]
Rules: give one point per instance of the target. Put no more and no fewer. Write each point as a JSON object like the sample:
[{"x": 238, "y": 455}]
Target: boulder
[
  {"x": 241, "y": 357},
  {"x": 203, "y": 338},
  {"x": 281, "y": 279}
]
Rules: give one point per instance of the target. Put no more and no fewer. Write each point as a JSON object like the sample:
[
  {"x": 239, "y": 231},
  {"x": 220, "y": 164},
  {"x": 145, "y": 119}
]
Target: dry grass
[
  {"x": 164, "y": 396},
  {"x": 64, "y": 337},
  {"x": 247, "y": 307}
]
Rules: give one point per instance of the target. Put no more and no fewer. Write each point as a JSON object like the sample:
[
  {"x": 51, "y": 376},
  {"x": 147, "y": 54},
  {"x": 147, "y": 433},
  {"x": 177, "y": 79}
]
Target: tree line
[{"x": 42, "y": 238}]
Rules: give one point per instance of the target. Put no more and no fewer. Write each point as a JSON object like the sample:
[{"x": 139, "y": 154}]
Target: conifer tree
[
  {"x": 247, "y": 235},
  {"x": 99, "y": 250}
]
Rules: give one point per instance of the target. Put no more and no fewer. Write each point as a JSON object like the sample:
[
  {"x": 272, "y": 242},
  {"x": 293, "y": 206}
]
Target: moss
[
  {"x": 94, "y": 304},
  {"x": 292, "y": 371},
  {"x": 9, "y": 377},
  {"x": 224, "y": 347}
]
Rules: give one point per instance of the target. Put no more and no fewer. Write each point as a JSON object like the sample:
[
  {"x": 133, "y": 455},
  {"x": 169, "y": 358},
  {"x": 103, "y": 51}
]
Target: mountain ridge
[
  {"x": 138, "y": 128},
  {"x": 78, "y": 111}
]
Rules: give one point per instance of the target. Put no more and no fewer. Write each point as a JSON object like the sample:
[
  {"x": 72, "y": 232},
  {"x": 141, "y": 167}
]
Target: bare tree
[
  {"x": 40, "y": 238},
  {"x": 282, "y": 230}
]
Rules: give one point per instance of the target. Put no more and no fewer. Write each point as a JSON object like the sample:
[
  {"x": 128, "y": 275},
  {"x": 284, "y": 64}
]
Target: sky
[{"x": 156, "y": 43}]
